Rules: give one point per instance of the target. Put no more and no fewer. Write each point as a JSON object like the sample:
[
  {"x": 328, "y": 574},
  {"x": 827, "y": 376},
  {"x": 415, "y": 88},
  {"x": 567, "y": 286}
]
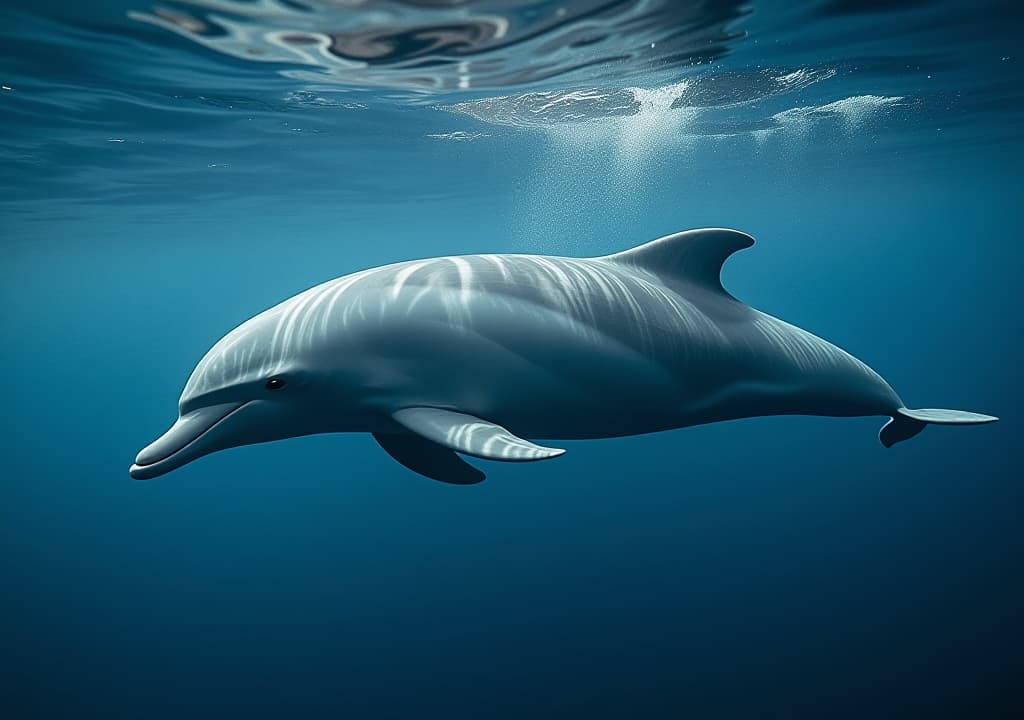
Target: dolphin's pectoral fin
[
  {"x": 429, "y": 459},
  {"x": 471, "y": 435}
]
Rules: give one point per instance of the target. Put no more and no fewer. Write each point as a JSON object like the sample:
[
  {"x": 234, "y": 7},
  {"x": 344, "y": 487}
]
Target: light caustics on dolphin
[{"x": 472, "y": 355}]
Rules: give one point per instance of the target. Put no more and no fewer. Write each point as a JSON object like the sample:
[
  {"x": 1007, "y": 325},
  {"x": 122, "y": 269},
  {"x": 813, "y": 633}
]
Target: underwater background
[{"x": 170, "y": 169}]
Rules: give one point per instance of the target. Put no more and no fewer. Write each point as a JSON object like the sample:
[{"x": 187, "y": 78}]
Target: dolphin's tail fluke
[{"x": 907, "y": 423}]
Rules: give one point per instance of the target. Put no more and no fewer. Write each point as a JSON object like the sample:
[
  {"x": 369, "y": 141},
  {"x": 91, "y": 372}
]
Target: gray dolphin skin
[{"x": 471, "y": 355}]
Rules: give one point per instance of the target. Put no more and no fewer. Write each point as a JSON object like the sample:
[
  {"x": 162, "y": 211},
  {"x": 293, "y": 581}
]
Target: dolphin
[{"x": 480, "y": 355}]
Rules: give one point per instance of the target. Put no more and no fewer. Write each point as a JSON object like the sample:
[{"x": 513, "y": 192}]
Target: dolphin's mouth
[{"x": 180, "y": 444}]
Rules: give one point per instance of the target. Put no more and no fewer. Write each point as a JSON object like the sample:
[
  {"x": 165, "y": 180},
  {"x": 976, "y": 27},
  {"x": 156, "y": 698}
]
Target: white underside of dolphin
[{"x": 471, "y": 355}]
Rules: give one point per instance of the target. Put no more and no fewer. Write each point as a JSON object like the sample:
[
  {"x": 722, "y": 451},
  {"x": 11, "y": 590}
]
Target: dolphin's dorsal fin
[{"x": 693, "y": 255}]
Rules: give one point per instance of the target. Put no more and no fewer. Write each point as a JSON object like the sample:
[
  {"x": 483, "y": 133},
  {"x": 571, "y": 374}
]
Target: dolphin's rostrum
[{"x": 473, "y": 354}]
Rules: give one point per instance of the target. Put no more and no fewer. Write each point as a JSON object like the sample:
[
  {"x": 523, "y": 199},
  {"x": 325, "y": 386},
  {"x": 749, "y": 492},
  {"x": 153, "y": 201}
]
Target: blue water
[{"x": 169, "y": 170}]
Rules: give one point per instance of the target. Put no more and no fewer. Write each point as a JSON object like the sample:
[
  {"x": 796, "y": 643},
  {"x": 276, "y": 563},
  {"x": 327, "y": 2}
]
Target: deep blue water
[{"x": 168, "y": 171}]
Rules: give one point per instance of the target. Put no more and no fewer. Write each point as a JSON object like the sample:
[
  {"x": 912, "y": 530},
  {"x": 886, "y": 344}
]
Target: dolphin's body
[{"x": 472, "y": 354}]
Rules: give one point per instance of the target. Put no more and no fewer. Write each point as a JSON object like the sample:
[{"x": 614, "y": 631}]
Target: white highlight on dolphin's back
[
  {"x": 658, "y": 320},
  {"x": 582, "y": 290}
]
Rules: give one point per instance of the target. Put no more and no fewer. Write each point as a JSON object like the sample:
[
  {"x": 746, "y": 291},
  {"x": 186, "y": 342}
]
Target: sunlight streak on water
[
  {"x": 654, "y": 126},
  {"x": 599, "y": 163}
]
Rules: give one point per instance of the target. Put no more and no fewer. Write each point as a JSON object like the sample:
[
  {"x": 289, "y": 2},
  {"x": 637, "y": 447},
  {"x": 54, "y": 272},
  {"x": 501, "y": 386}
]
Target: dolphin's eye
[{"x": 275, "y": 384}]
